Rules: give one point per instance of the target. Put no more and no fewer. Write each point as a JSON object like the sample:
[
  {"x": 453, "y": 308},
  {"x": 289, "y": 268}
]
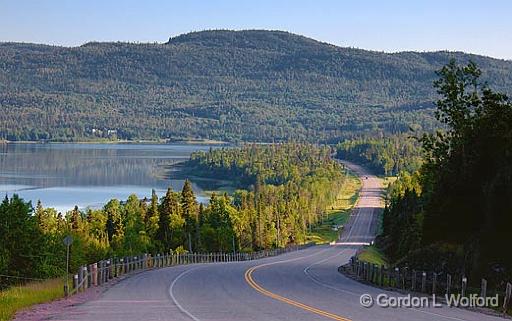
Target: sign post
[{"x": 68, "y": 240}]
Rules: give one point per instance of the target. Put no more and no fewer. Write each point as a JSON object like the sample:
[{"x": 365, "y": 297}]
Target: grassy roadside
[
  {"x": 338, "y": 213},
  {"x": 17, "y": 298},
  {"x": 373, "y": 255}
]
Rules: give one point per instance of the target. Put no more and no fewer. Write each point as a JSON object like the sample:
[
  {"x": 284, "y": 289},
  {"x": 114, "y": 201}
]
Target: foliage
[
  {"x": 458, "y": 206},
  {"x": 212, "y": 84},
  {"x": 287, "y": 188},
  {"x": 387, "y": 155}
]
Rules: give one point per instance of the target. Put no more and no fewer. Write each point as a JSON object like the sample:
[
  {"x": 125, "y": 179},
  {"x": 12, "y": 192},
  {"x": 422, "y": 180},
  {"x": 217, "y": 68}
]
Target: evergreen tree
[
  {"x": 135, "y": 239},
  {"x": 190, "y": 212},
  {"x": 153, "y": 216},
  {"x": 171, "y": 221},
  {"x": 115, "y": 223},
  {"x": 20, "y": 239}
]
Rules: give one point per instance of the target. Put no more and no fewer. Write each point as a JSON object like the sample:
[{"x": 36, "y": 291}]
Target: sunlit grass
[
  {"x": 372, "y": 255},
  {"x": 337, "y": 214},
  {"x": 19, "y": 297}
]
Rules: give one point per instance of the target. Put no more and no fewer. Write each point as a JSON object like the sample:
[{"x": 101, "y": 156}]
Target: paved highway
[{"x": 301, "y": 285}]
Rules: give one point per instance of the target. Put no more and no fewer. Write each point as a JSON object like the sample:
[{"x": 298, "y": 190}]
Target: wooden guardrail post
[
  {"x": 111, "y": 267},
  {"x": 95, "y": 274},
  {"x": 117, "y": 267},
  {"x": 90, "y": 278},
  {"x": 448, "y": 284},
  {"x": 483, "y": 288},
  {"x": 102, "y": 272},
  {"x": 85, "y": 278},
  {"x": 434, "y": 282},
  {"x": 80, "y": 277},
  {"x": 464, "y": 286},
  {"x": 413, "y": 280},
  {"x": 404, "y": 278},
  {"x": 508, "y": 295},
  {"x": 76, "y": 282}
]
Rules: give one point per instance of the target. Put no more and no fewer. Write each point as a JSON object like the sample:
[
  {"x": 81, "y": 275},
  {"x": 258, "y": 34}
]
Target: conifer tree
[{"x": 190, "y": 213}]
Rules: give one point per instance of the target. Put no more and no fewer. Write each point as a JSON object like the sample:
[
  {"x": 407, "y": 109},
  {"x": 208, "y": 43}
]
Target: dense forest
[
  {"x": 454, "y": 214},
  {"x": 212, "y": 84},
  {"x": 287, "y": 190},
  {"x": 388, "y": 155}
]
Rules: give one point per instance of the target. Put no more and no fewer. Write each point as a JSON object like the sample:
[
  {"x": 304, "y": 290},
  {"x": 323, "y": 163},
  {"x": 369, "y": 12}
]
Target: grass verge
[
  {"x": 337, "y": 214},
  {"x": 373, "y": 255},
  {"x": 17, "y": 298}
]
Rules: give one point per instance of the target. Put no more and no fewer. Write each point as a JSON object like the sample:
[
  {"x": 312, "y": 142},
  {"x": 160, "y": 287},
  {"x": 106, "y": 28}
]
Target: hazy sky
[{"x": 483, "y": 27}]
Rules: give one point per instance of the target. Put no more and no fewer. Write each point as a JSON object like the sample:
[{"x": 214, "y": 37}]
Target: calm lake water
[{"x": 89, "y": 175}]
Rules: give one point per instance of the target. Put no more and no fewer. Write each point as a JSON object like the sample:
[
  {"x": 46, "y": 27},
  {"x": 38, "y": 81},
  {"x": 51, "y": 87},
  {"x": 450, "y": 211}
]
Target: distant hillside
[{"x": 226, "y": 85}]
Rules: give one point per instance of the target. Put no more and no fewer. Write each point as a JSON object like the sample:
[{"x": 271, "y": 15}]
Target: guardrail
[
  {"x": 101, "y": 272},
  {"x": 426, "y": 282}
]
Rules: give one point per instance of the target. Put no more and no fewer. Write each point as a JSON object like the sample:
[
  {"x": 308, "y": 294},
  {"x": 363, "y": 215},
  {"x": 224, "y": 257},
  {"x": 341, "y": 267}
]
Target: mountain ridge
[
  {"x": 210, "y": 84},
  {"x": 446, "y": 51}
]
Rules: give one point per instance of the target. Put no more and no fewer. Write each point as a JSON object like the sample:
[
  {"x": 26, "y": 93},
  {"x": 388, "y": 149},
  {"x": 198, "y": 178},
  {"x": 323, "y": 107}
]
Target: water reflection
[{"x": 64, "y": 175}]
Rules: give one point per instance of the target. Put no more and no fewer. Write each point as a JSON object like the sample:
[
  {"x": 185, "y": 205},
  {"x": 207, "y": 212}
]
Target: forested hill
[{"x": 227, "y": 85}]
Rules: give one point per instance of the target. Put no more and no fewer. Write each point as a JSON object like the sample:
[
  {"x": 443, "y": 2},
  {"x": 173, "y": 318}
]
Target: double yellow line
[{"x": 257, "y": 287}]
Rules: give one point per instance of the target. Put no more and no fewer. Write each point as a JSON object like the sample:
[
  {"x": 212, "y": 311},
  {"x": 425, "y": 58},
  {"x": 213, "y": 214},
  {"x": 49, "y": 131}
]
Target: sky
[{"x": 481, "y": 27}]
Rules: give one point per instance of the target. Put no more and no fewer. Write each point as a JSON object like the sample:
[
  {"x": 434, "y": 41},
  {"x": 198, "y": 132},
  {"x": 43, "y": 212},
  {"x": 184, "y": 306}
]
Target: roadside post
[
  {"x": 423, "y": 282},
  {"x": 483, "y": 289},
  {"x": 508, "y": 294},
  {"x": 448, "y": 284},
  {"x": 434, "y": 282},
  {"x": 464, "y": 286},
  {"x": 68, "y": 240}
]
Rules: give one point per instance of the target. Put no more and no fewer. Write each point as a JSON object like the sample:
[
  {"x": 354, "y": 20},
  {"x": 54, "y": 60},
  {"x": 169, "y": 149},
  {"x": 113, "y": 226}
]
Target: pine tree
[
  {"x": 115, "y": 224},
  {"x": 135, "y": 240},
  {"x": 152, "y": 217},
  {"x": 171, "y": 222},
  {"x": 190, "y": 213},
  {"x": 19, "y": 238},
  {"x": 75, "y": 218}
]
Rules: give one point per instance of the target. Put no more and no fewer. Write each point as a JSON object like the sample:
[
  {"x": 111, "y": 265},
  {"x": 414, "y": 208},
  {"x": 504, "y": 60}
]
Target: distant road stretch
[{"x": 302, "y": 285}]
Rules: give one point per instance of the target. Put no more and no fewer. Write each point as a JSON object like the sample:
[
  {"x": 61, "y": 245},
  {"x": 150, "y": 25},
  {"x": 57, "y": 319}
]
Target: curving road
[{"x": 302, "y": 285}]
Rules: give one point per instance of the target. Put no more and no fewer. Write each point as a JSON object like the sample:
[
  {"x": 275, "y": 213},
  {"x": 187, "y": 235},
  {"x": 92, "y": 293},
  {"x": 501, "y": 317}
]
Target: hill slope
[{"x": 229, "y": 85}]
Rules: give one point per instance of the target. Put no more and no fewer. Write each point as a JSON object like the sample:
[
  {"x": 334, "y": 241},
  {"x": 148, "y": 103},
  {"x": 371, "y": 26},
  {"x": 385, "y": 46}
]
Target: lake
[{"x": 89, "y": 175}]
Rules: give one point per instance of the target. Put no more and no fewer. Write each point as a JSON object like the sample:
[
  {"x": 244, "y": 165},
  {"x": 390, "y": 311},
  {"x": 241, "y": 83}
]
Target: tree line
[
  {"x": 386, "y": 155},
  {"x": 286, "y": 190},
  {"x": 454, "y": 213}
]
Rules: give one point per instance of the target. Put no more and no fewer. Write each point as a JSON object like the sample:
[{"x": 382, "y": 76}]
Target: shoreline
[{"x": 127, "y": 142}]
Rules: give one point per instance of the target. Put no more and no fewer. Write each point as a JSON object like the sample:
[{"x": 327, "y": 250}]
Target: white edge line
[
  {"x": 315, "y": 280},
  {"x": 173, "y": 298}
]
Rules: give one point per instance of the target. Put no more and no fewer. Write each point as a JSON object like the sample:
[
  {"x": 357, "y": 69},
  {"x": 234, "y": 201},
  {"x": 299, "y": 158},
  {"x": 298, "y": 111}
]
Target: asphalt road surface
[{"x": 301, "y": 285}]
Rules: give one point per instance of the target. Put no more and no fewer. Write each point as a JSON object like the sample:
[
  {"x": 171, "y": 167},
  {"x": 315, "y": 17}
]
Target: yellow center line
[{"x": 257, "y": 287}]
